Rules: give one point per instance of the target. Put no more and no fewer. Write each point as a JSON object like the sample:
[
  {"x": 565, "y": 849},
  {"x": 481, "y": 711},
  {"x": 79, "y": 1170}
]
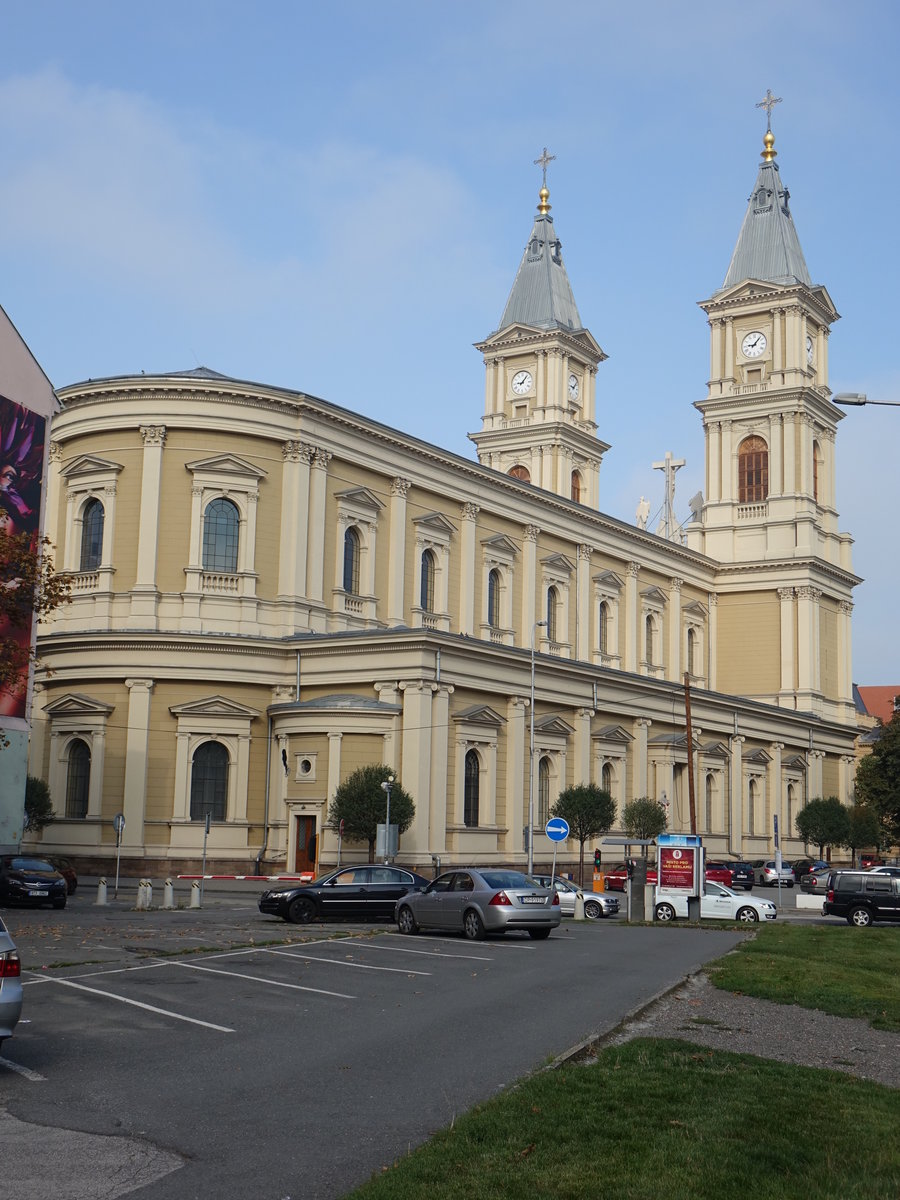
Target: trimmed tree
[
  {"x": 825, "y": 822},
  {"x": 361, "y": 803},
  {"x": 38, "y": 805},
  {"x": 589, "y": 811},
  {"x": 644, "y": 818},
  {"x": 878, "y": 781},
  {"x": 863, "y": 829}
]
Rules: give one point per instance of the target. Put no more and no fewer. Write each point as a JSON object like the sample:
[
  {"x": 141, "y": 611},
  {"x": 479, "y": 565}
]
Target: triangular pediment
[
  {"x": 501, "y": 544},
  {"x": 715, "y": 750},
  {"x": 436, "y": 521},
  {"x": 89, "y": 464},
  {"x": 694, "y": 609},
  {"x": 78, "y": 704},
  {"x": 214, "y": 706},
  {"x": 226, "y": 464},
  {"x": 758, "y": 756},
  {"x": 558, "y": 562},
  {"x": 360, "y": 497},
  {"x": 655, "y": 595},
  {"x": 613, "y": 733},
  {"x": 797, "y": 763},
  {"x": 519, "y": 334},
  {"x": 480, "y": 714},
  {"x": 609, "y": 580},
  {"x": 554, "y": 723}
]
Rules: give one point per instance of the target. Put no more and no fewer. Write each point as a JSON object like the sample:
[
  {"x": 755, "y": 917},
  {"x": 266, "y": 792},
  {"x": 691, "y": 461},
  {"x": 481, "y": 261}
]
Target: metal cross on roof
[
  {"x": 544, "y": 162},
  {"x": 768, "y": 104}
]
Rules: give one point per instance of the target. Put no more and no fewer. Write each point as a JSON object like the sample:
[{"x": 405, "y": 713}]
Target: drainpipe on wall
[{"x": 437, "y": 665}]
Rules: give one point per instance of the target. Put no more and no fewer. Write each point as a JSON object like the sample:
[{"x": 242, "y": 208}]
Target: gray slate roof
[
  {"x": 541, "y": 295},
  {"x": 768, "y": 247}
]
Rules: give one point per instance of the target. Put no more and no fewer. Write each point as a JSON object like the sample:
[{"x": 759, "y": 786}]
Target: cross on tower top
[
  {"x": 544, "y": 161},
  {"x": 768, "y": 103}
]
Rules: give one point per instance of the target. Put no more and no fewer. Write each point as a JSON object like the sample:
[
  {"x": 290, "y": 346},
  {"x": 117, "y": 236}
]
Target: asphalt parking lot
[{"x": 216, "y": 1052}]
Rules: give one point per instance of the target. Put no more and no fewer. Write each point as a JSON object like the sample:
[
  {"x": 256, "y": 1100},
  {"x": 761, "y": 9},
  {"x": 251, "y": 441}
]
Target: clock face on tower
[
  {"x": 521, "y": 382},
  {"x": 573, "y": 387},
  {"x": 810, "y": 350},
  {"x": 754, "y": 344}
]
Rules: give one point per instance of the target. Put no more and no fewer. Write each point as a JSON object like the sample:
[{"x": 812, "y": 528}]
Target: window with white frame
[
  {"x": 224, "y": 501},
  {"x": 498, "y": 564},
  {"x": 90, "y": 489},
  {"x": 221, "y": 536},
  {"x": 653, "y": 602},
  {"x": 77, "y": 725},
  {"x": 356, "y": 530},
  {"x": 709, "y": 799},
  {"x": 91, "y": 535},
  {"x": 433, "y": 537},
  {"x": 426, "y": 589},
  {"x": 543, "y": 812},
  {"x": 212, "y": 760},
  {"x": 556, "y": 576},
  {"x": 607, "y": 588},
  {"x": 209, "y": 782},
  {"x": 352, "y": 553},
  {"x": 78, "y": 779},
  {"x": 477, "y": 735},
  {"x": 472, "y": 789}
]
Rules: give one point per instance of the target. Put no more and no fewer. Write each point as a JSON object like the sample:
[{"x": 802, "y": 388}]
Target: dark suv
[
  {"x": 741, "y": 874},
  {"x": 862, "y": 897}
]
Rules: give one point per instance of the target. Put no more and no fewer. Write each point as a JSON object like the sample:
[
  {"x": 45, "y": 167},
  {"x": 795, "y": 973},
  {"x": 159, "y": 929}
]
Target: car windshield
[
  {"x": 508, "y": 879},
  {"x": 31, "y": 864}
]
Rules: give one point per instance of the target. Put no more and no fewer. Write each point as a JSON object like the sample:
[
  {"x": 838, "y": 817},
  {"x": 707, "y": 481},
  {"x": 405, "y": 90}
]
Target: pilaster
[
  {"x": 467, "y": 568},
  {"x": 397, "y": 551},
  {"x": 136, "y": 747}
]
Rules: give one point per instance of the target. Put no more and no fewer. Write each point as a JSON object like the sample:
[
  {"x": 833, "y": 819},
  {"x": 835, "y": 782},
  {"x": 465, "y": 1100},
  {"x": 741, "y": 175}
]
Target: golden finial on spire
[
  {"x": 768, "y": 141},
  {"x": 544, "y": 194},
  {"x": 768, "y": 103}
]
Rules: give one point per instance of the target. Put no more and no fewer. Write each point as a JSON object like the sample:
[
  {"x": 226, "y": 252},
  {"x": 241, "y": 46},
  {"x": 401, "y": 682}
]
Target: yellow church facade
[{"x": 270, "y": 591}]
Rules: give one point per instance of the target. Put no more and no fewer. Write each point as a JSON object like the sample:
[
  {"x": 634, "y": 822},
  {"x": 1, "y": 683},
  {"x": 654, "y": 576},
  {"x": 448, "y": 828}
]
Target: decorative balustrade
[
  {"x": 752, "y": 512},
  {"x": 84, "y": 581},
  {"x": 220, "y": 583}
]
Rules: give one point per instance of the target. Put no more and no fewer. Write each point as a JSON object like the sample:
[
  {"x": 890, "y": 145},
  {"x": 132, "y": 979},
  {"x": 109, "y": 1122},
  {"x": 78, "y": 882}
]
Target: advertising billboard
[{"x": 677, "y": 868}]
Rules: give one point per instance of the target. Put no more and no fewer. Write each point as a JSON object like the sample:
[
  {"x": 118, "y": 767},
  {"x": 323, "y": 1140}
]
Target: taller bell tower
[
  {"x": 540, "y": 374},
  {"x": 769, "y": 516}
]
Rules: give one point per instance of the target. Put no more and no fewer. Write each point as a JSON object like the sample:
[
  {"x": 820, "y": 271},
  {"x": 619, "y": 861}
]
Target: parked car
[
  {"x": 10, "y": 984},
  {"x": 895, "y": 871},
  {"x": 481, "y": 900},
  {"x": 803, "y": 866},
  {"x": 870, "y": 860},
  {"x": 716, "y": 903},
  {"x": 366, "y": 893},
  {"x": 816, "y": 881},
  {"x": 717, "y": 871},
  {"x": 862, "y": 897},
  {"x": 741, "y": 874},
  {"x": 596, "y": 904},
  {"x": 26, "y": 880},
  {"x": 766, "y": 874},
  {"x": 616, "y": 876},
  {"x": 65, "y": 868}
]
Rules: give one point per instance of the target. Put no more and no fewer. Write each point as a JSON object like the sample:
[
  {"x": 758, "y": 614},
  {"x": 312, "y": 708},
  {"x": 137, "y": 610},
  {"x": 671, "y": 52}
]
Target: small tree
[
  {"x": 38, "y": 805},
  {"x": 863, "y": 829},
  {"x": 644, "y": 818},
  {"x": 878, "y": 781},
  {"x": 589, "y": 811},
  {"x": 824, "y": 822},
  {"x": 361, "y": 803}
]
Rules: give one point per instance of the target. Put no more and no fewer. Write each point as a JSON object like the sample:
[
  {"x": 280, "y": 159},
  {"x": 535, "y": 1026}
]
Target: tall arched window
[
  {"x": 752, "y": 798},
  {"x": 710, "y": 784},
  {"x": 649, "y": 640},
  {"x": 520, "y": 472},
  {"x": 221, "y": 530},
  {"x": 606, "y": 778},
  {"x": 552, "y": 608},
  {"x": 543, "y": 813},
  {"x": 691, "y": 652},
  {"x": 576, "y": 486},
  {"x": 91, "y": 535},
  {"x": 78, "y": 779},
  {"x": 472, "y": 783},
  {"x": 209, "y": 782},
  {"x": 427, "y": 583},
  {"x": 493, "y": 599},
  {"x": 351, "y": 561},
  {"x": 603, "y": 631},
  {"x": 753, "y": 471},
  {"x": 791, "y": 805},
  {"x": 817, "y": 455}
]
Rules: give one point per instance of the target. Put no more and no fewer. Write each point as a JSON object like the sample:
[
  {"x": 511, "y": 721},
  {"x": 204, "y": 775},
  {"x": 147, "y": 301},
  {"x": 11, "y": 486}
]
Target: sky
[{"x": 335, "y": 199}]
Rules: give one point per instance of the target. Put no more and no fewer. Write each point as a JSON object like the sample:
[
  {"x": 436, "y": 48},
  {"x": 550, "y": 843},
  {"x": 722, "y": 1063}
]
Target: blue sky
[{"x": 335, "y": 198}]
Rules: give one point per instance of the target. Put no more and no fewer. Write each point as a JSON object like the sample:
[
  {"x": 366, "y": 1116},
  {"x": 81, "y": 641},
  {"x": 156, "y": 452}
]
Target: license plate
[
  {"x": 532, "y": 899},
  {"x": 36, "y": 893}
]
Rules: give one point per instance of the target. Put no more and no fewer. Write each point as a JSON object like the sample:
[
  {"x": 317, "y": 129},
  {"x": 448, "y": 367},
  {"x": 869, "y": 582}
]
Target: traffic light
[{"x": 596, "y": 860}]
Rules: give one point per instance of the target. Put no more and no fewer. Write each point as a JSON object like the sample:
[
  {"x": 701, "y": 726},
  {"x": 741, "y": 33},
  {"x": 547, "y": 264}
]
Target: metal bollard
[
  {"x": 144, "y": 894},
  {"x": 579, "y": 906},
  {"x": 169, "y": 894},
  {"x": 101, "y": 892},
  {"x": 195, "y": 893}
]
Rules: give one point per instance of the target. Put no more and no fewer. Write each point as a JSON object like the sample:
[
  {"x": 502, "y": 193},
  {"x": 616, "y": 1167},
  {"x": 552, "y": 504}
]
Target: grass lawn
[
  {"x": 664, "y": 1120},
  {"x": 837, "y": 969}
]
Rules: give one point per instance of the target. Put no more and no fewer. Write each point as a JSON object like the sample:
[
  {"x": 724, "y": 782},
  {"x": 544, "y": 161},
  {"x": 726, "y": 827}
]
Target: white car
[
  {"x": 596, "y": 904},
  {"x": 718, "y": 902}
]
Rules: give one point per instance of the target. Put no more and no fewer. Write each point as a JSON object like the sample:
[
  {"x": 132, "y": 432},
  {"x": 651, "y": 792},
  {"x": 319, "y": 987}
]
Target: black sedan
[
  {"x": 352, "y": 893},
  {"x": 26, "y": 880}
]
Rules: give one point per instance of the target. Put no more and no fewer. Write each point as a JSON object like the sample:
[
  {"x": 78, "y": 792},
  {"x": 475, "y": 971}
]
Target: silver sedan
[
  {"x": 10, "y": 984},
  {"x": 480, "y": 900},
  {"x": 596, "y": 904}
]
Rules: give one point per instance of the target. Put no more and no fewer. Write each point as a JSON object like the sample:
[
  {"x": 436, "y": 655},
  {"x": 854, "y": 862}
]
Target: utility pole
[{"x": 690, "y": 751}]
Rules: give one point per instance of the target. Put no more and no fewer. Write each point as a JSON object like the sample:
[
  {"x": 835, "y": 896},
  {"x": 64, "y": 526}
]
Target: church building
[{"x": 270, "y": 591}]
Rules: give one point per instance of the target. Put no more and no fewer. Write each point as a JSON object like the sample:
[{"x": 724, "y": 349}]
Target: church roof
[
  {"x": 541, "y": 295},
  {"x": 768, "y": 247}
]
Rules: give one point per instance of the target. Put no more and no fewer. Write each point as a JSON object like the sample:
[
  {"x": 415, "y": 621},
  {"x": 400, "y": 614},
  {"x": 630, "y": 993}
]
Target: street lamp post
[
  {"x": 535, "y": 626},
  {"x": 858, "y": 399},
  {"x": 386, "y": 788}
]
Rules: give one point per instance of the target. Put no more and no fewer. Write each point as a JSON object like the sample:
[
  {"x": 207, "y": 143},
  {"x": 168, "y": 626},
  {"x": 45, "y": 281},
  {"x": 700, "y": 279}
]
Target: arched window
[
  {"x": 543, "y": 813},
  {"x": 691, "y": 652},
  {"x": 472, "y": 782},
  {"x": 91, "y": 536},
  {"x": 552, "y": 608},
  {"x": 752, "y": 797},
  {"x": 78, "y": 778},
  {"x": 493, "y": 599},
  {"x": 221, "y": 528},
  {"x": 649, "y": 640},
  {"x": 791, "y": 804},
  {"x": 576, "y": 486},
  {"x": 209, "y": 782},
  {"x": 427, "y": 582},
  {"x": 753, "y": 471},
  {"x": 520, "y": 472},
  {"x": 710, "y": 784},
  {"x": 351, "y": 561},
  {"x": 603, "y": 618},
  {"x": 606, "y": 778},
  {"x": 817, "y": 455}
]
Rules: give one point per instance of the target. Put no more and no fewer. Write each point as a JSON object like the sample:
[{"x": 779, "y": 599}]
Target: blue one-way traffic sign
[{"x": 556, "y": 829}]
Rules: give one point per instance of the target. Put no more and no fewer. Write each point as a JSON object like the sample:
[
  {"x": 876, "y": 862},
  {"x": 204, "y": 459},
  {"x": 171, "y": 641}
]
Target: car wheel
[
  {"x": 790, "y": 883},
  {"x": 748, "y": 887},
  {"x": 60, "y": 903},
  {"x": 406, "y": 922},
  {"x": 473, "y": 926},
  {"x": 538, "y": 934},
  {"x": 301, "y": 911},
  {"x": 749, "y": 915},
  {"x": 665, "y": 912},
  {"x": 860, "y": 917},
  {"x": 593, "y": 910}
]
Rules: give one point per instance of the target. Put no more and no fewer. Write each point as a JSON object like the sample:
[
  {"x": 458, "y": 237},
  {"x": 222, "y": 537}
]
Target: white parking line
[
  {"x": 139, "y": 1004},
  {"x": 337, "y": 962},
  {"x": 296, "y": 987},
  {"x": 493, "y": 943},
  {"x": 429, "y": 953},
  {"x": 31, "y": 1076}
]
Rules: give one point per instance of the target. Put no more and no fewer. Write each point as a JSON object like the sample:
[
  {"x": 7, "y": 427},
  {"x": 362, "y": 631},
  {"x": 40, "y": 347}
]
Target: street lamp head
[{"x": 855, "y": 398}]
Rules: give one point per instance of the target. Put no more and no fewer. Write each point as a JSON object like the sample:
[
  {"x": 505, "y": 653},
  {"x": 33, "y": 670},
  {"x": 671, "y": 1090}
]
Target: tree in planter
[
  {"x": 38, "y": 805},
  {"x": 825, "y": 822},
  {"x": 361, "y": 803},
  {"x": 589, "y": 811},
  {"x": 878, "y": 781},
  {"x": 644, "y": 818},
  {"x": 863, "y": 829}
]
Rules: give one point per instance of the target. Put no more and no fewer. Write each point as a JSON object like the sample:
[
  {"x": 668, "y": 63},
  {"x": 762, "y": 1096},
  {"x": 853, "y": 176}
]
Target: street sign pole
[
  {"x": 557, "y": 830},
  {"x": 118, "y": 825}
]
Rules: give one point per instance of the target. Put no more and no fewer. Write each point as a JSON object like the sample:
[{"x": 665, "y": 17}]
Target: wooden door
[{"x": 306, "y": 846}]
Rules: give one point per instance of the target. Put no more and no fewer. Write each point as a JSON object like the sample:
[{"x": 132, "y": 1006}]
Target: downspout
[{"x": 437, "y": 665}]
